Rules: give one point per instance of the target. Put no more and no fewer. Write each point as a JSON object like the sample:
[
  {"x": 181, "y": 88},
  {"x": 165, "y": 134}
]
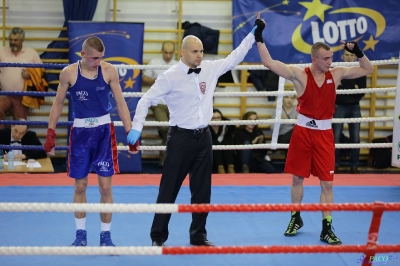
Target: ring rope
[
  {"x": 216, "y": 94},
  {"x": 216, "y": 147},
  {"x": 145, "y": 250},
  {"x": 369, "y": 250},
  {"x": 190, "y": 208},
  {"x": 239, "y": 67},
  {"x": 213, "y": 123}
]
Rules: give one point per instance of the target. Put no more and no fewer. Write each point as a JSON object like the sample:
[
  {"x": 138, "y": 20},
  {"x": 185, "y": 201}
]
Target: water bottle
[
  {"x": 11, "y": 160},
  {"x": 1, "y": 160}
]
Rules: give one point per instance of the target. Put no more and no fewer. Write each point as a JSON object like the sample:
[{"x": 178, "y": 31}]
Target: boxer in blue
[{"x": 92, "y": 138}]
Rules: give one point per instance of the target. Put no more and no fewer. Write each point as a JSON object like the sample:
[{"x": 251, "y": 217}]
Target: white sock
[
  {"x": 105, "y": 226},
  {"x": 80, "y": 223}
]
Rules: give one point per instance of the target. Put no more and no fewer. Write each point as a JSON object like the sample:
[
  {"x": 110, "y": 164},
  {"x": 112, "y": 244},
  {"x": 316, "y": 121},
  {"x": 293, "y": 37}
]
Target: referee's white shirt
[
  {"x": 189, "y": 96},
  {"x": 154, "y": 73}
]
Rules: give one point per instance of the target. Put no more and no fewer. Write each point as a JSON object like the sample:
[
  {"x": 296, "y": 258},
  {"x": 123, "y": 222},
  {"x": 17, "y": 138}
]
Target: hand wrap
[
  {"x": 258, "y": 29},
  {"x": 356, "y": 50}
]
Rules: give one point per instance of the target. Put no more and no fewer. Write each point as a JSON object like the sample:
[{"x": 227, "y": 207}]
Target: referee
[{"x": 188, "y": 89}]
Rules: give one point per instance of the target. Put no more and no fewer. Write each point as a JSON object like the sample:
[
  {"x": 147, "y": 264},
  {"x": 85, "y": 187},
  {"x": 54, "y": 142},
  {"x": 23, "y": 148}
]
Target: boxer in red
[{"x": 312, "y": 146}]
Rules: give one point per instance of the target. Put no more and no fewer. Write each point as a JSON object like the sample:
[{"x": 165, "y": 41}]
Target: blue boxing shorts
[{"x": 92, "y": 147}]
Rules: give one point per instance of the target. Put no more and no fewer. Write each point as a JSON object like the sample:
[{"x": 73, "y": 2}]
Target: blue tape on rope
[
  {"x": 29, "y": 93},
  {"x": 44, "y": 65},
  {"x": 29, "y": 147},
  {"x": 36, "y": 123}
]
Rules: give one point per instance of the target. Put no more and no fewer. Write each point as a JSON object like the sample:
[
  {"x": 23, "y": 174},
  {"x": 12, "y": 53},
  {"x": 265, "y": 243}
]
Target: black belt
[{"x": 192, "y": 131}]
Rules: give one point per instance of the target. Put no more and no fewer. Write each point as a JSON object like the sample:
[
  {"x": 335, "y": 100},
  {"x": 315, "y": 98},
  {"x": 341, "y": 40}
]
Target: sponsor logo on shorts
[
  {"x": 104, "y": 166},
  {"x": 91, "y": 122},
  {"x": 312, "y": 124},
  {"x": 82, "y": 95}
]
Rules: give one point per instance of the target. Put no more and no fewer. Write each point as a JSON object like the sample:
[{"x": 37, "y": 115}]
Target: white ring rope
[
  {"x": 62, "y": 251},
  {"x": 262, "y": 67},
  {"x": 271, "y": 121},
  {"x": 88, "y": 207},
  {"x": 267, "y": 146},
  {"x": 276, "y": 93},
  {"x": 270, "y": 146}
]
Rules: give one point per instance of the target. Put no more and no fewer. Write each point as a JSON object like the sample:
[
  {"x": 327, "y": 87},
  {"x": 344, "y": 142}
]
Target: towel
[{"x": 36, "y": 82}]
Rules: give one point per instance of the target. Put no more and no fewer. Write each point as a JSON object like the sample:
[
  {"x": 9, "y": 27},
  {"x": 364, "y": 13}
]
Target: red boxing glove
[
  {"x": 133, "y": 147},
  {"x": 50, "y": 140}
]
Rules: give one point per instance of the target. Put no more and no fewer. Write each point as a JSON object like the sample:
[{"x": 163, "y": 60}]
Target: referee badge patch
[{"x": 202, "y": 87}]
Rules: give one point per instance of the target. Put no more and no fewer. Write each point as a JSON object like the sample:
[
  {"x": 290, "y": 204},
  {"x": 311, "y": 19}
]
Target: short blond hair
[
  {"x": 318, "y": 45},
  {"x": 93, "y": 42}
]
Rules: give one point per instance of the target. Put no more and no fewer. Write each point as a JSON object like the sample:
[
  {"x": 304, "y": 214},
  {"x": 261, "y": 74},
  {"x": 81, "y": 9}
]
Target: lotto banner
[
  {"x": 292, "y": 27},
  {"x": 396, "y": 126},
  {"x": 123, "y": 45}
]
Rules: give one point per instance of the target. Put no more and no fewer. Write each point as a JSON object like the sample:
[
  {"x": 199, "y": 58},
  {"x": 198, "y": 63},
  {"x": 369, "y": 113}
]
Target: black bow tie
[
  {"x": 15, "y": 141},
  {"x": 195, "y": 70}
]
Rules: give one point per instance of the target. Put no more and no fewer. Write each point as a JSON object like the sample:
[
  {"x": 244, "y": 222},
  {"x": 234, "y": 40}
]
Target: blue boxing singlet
[
  {"x": 92, "y": 140},
  {"x": 90, "y": 97}
]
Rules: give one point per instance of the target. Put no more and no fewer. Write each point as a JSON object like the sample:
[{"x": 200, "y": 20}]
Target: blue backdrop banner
[
  {"x": 123, "y": 45},
  {"x": 294, "y": 26}
]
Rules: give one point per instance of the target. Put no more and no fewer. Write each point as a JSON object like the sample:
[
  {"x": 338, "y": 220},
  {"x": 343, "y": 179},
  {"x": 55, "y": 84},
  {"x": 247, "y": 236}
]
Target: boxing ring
[{"x": 241, "y": 224}]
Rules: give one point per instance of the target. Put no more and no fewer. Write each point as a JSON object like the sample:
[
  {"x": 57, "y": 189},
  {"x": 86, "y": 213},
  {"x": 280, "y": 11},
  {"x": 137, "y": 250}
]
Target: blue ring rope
[
  {"x": 29, "y": 147},
  {"x": 31, "y": 65},
  {"x": 36, "y": 123}
]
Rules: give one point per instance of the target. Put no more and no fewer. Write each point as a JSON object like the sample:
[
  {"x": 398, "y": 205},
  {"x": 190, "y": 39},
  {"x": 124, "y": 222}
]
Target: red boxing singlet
[
  {"x": 318, "y": 102},
  {"x": 312, "y": 151}
]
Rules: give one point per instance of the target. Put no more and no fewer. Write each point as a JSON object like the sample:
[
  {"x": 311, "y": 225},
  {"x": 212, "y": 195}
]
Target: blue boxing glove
[{"x": 133, "y": 136}]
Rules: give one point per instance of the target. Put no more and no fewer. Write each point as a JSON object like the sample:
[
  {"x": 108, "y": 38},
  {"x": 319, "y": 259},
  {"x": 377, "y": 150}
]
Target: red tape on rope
[
  {"x": 391, "y": 206},
  {"x": 276, "y": 249},
  {"x": 379, "y": 208}
]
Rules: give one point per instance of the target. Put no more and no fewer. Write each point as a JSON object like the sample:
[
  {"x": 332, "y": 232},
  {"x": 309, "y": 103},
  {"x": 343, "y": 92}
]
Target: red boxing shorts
[
  {"x": 311, "y": 151},
  {"x": 92, "y": 148}
]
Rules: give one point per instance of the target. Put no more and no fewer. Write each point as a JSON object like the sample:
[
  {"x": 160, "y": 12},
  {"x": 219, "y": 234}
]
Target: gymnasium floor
[{"x": 224, "y": 229}]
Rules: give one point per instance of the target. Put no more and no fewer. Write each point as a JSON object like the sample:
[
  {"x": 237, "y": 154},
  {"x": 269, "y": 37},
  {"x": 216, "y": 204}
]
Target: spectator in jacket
[
  {"x": 348, "y": 106},
  {"x": 254, "y": 160},
  {"x": 223, "y": 160},
  {"x": 19, "y": 135}
]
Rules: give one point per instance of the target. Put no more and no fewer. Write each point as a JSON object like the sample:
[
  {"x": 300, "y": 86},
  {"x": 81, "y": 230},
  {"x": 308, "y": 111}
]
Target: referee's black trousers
[{"x": 187, "y": 151}]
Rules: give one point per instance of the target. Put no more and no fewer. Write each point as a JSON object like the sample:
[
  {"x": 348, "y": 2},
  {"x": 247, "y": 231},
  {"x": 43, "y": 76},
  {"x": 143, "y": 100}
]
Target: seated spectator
[
  {"x": 254, "y": 160},
  {"x": 13, "y": 78},
  {"x": 288, "y": 112},
  {"x": 160, "y": 111},
  {"x": 19, "y": 135},
  {"x": 223, "y": 160}
]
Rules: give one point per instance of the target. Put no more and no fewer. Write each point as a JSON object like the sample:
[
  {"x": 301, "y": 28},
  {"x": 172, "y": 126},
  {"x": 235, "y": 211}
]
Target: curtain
[{"x": 73, "y": 10}]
